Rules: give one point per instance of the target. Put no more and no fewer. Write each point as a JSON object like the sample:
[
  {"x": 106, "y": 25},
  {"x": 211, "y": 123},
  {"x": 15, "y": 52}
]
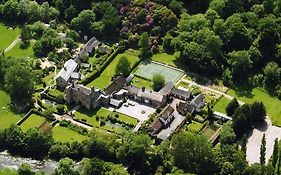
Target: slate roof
[
  {"x": 66, "y": 72},
  {"x": 182, "y": 93},
  {"x": 115, "y": 86},
  {"x": 198, "y": 100},
  {"x": 166, "y": 112},
  {"x": 167, "y": 88}
]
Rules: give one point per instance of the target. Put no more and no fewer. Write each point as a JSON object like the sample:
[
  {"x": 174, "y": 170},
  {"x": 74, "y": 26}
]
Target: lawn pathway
[
  {"x": 69, "y": 118},
  {"x": 12, "y": 44}
]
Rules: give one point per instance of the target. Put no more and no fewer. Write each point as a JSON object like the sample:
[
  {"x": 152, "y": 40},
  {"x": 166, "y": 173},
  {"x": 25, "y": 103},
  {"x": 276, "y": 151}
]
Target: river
[{"x": 8, "y": 161}]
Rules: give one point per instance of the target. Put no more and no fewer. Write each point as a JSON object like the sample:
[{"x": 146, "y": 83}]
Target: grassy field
[
  {"x": 167, "y": 58},
  {"x": 139, "y": 82},
  {"x": 33, "y": 121},
  {"x": 66, "y": 135},
  {"x": 7, "y": 117},
  {"x": 104, "y": 79},
  {"x": 272, "y": 104},
  {"x": 221, "y": 105},
  {"x": 19, "y": 52},
  {"x": 7, "y": 36}
]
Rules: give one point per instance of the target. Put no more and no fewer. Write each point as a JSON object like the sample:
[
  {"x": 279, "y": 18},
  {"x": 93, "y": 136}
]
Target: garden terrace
[{"x": 64, "y": 134}]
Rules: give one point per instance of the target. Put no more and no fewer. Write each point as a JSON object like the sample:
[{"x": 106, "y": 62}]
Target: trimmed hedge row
[{"x": 93, "y": 75}]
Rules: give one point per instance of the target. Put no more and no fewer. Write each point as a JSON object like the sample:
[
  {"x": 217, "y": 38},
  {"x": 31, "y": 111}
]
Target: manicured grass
[
  {"x": 273, "y": 104},
  {"x": 49, "y": 78},
  {"x": 127, "y": 119},
  {"x": 91, "y": 116},
  {"x": 167, "y": 58},
  {"x": 32, "y": 122},
  {"x": 7, "y": 36},
  {"x": 139, "y": 82},
  {"x": 66, "y": 135},
  {"x": 195, "y": 126},
  {"x": 183, "y": 84},
  {"x": 19, "y": 52},
  {"x": 105, "y": 78},
  {"x": 221, "y": 105},
  {"x": 8, "y": 171},
  {"x": 7, "y": 117}
]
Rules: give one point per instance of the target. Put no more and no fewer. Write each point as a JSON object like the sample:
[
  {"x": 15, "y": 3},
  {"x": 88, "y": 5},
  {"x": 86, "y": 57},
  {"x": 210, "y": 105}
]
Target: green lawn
[
  {"x": 167, "y": 58},
  {"x": 16, "y": 51},
  {"x": 139, "y": 82},
  {"x": 221, "y": 105},
  {"x": 195, "y": 126},
  {"x": 104, "y": 79},
  {"x": 90, "y": 116},
  {"x": 66, "y": 135},
  {"x": 33, "y": 121},
  {"x": 209, "y": 132},
  {"x": 7, "y": 117},
  {"x": 273, "y": 104},
  {"x": 127, "y": 119},
  {"x": 7, "y": 36}
]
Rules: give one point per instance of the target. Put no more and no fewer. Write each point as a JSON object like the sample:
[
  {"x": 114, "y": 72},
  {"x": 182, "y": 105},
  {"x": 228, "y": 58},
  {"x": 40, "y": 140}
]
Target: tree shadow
[{"x": 243, "y": 91}]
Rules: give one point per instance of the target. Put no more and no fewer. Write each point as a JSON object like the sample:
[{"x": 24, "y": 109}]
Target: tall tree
[
  {"x": 262, "y": 150},
  {"x": 158, "y": 82},
  {"x": 144, "y": 45},
  {"x": 275, "y": 153},
  {"x": 123, "y": 66},
  {"x": 66, "y": 167},
  {"x": 19, "y": 81},
  {"x": 231, "y": 107},
  {"x": 193, "y": 153}
]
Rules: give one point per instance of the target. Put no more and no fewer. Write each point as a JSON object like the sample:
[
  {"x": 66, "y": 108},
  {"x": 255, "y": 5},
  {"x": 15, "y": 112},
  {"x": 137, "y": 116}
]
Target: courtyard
[{"x": 136, "y": 110}]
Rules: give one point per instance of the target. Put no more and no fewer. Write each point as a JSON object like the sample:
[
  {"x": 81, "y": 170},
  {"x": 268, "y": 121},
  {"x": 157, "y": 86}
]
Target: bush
[
  {"x": 102, "y": 123},
  {"x": 64, "y": 123},
  {"x": 60, "y": 109}
]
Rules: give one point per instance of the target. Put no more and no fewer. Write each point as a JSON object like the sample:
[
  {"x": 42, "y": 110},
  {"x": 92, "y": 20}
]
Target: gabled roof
[
  {"x": 186, "y": 106},
  {"x": 198, "y": 100},
  {"x": 116, "y": 85},
  {"x": 167, "y": 88},
  {"x": 66, "y": 72},
  {"x": 166, "y": 112},
  {"x": 182, "y": 93}
]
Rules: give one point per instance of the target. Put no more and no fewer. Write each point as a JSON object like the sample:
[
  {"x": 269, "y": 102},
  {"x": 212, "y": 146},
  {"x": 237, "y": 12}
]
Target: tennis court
[{"x": 147, "y": 70}]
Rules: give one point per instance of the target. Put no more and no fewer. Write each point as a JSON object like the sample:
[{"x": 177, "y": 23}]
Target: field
[
  {"x": 7, "y": 36},
  {"x": 105, "y": 78},
  {"x": 16, "y": 51},
  {"x": 7, "y": 117},
  {"x": 221, "y": 105},
  {"x": 258, "y": 94},
  {"x": 147, "y": 70},
  {"x": 33, "y": 121},
  {"x": 66, "y": 135},
  {"x": 166, "y": 58}
]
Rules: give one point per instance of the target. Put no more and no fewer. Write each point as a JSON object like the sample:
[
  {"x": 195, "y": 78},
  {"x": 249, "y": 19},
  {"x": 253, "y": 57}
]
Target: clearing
[
  {"x": 272, "y": 104},
  {"x": 105, "y": 78},
  {"x": 7, "y": 36},
  {"x": 7, "y": 117}
]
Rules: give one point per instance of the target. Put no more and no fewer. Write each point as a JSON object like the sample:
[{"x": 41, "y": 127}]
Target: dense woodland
[{"x": 237, "y": 42}]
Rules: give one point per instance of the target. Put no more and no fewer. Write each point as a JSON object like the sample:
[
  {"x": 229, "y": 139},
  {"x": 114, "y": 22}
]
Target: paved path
[
  {"x": 12, "y": 44},
  {"x": 69, "y": 118},
  {"x": 138, "y": 126},
  {"x": 206, "y": 88}
]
